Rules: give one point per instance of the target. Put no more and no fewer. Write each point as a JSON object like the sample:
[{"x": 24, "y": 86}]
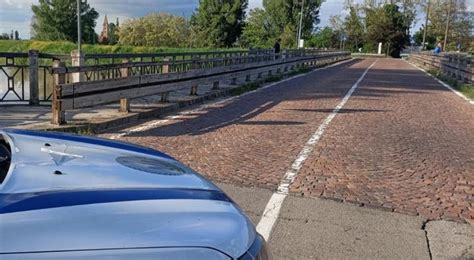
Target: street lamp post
[
  {"x": 447, "y": 26},
  {"x": 79, "y": 25},
  {"x": 300, "y": 25}
]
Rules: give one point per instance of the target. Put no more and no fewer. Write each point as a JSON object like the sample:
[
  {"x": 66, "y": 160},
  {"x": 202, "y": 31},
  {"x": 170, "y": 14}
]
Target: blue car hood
[{"x": 67, "y": 192}]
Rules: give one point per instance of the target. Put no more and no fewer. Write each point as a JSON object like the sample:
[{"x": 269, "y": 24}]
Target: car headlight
[{"x": 257, "y": 251}]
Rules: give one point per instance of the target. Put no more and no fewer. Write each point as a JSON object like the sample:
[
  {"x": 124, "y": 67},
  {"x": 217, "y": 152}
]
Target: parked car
[{"x": 68, "y": 196}]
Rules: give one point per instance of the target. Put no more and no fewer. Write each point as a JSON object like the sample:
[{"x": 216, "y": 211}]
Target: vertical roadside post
[
  {"x": 124, "y": 102},
  {"x": 77, "y": 58},
  {"x": 59, "y": 116},
  {"x": 33, "y": 76},
  {"x": 165, "y": 69}
]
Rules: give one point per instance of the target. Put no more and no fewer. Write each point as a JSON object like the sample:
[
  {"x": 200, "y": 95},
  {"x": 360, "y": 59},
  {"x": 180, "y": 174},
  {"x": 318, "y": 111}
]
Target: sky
[{"x": 16, "y": 14}]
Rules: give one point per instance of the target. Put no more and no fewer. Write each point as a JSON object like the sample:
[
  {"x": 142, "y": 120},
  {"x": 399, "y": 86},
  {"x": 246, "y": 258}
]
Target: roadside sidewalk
[
  {"x": 313, "y": 228},
  {"x": 97, "y": 119}
]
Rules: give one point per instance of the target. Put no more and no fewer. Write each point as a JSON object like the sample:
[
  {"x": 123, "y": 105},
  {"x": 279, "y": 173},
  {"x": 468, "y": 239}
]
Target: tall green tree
[
  {"x": 155, "y": 30},
  {"x": 409, "y": 9},
  {"x": 219, "y": 23},
  {"x": 285, "y": 14},
  {"x": 113, "y": 33},
  {"x": 430, "y": 40},
  {"x": 279, "y": 19},
  {"x": 325, "y": 38},
  {"x": 258, "y": 31},
  {"x": 460, "y": 26},
  {"x": 388, "y": 25},
  {"x": 57, "y": 20},
  {"x": 354, "y": 29}
]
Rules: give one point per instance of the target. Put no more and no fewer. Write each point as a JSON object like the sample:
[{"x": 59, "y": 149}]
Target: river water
[{"x": 23, "y": 90}]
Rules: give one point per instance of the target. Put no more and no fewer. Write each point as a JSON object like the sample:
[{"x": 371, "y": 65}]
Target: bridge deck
[{"x": 401, "y": 143}]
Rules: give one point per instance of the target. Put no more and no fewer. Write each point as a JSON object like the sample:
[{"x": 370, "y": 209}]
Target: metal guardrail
[
  {"x": 25, "y": 78},
  {"x": 458, "y": 66}
]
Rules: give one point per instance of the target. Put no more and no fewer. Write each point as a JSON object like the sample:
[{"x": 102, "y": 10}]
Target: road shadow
[
  {"x": 382, "y": 83},
  {"x": 244, "y": 108}
]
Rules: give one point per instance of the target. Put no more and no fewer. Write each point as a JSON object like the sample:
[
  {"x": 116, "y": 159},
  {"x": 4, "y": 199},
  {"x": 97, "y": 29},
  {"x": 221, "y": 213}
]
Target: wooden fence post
[
  {"x": 59, "y": 116},
  {"x": 194, "y": 90},
  {"x": 33, "y": 76},
  {"x": 215, "y": 85},
  {"x": 165, "y": 97}
]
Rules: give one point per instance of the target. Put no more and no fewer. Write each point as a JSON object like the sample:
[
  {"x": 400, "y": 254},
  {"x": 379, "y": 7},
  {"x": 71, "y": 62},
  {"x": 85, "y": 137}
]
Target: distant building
[{"x": 104, "y": 35}]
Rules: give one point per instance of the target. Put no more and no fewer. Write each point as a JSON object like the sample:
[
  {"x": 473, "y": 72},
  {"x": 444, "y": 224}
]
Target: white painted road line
[
  {"x": 152, "y": 124},
  {"x": 444, "y": 84},
  {"x": 272, "y": 209}
]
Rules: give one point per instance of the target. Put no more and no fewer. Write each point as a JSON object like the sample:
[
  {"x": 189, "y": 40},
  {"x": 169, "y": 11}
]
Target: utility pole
[
  {"x": 301, "y": 24},
  {"x": 426, "y": 24},
  {"x": 447, "y": 25},
  {"x": 79, "y": 26}
]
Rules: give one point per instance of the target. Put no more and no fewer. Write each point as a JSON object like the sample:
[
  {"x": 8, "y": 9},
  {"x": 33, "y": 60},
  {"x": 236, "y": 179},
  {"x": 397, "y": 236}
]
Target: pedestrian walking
[{"x": 276, "y": 48}]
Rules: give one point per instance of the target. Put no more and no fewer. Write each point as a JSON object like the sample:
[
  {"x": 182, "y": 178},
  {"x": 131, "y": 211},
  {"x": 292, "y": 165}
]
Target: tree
[
  {"x": 388, "y": 25},
  {"x": 17, "y": 35},
  {"x": 280, "y": 19},
  {"x": 354, "y": 29},
  {"x": 461, "y": 23},
  {"x": 219, "y": 23},
  {"x": 325, "y": 38},
  {"x": 338, "y": 27},
  {"x": 430, "y": 40},
  {"x": 57, "y": 20},
  {"x": 284, "y": 15},
  {"x": 4, "y": 36},
  {"x": 258, "y": 32},
  {"x": 113, "y": 34},
  {"x": 157, "y": 30},
  {"x": 409, "y": 10}
]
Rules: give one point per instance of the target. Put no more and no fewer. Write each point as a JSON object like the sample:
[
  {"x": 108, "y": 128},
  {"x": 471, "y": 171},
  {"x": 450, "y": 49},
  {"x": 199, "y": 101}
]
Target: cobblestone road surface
[
  {"x": 401, "y": 143},
  {"x": 407, "y": 145}
]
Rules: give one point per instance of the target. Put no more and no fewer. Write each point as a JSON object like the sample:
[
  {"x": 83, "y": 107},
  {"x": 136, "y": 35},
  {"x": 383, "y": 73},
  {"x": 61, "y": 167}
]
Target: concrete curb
[{"x": 99, "y": 127}]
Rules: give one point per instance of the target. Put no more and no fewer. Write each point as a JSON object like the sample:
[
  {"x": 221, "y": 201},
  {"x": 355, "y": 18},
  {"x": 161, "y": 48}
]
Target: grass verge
[
  {"x": 247, "y": 87},
  {"x": 466, "y": 89}
]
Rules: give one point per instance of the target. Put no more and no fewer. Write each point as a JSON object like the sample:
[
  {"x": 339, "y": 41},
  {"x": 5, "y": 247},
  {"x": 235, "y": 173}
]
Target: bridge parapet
[
  {"x": 458, "y": 66},
  {"x": 127, "y": 80},
  {"x": 35, "y": 78}
]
